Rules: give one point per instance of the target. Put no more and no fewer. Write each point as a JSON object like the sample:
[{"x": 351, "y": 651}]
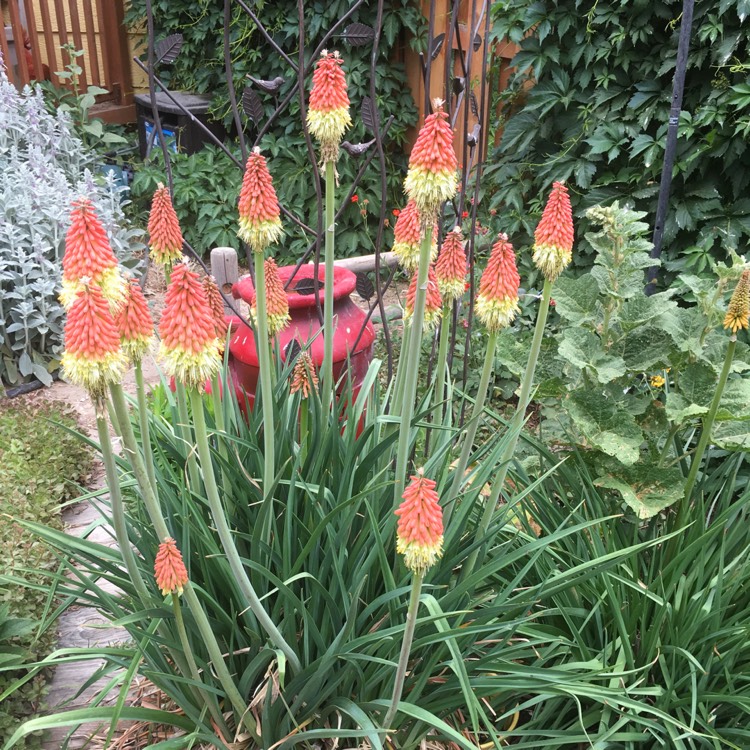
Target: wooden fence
[{"x": 34, "y": 32}]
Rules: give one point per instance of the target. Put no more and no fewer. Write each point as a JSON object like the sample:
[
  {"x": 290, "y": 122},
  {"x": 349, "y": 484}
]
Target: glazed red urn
[{"x": 305, "y": 327}]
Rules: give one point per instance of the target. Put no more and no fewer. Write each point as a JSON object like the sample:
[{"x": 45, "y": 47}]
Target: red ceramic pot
[{"x": 305, "y": 327}]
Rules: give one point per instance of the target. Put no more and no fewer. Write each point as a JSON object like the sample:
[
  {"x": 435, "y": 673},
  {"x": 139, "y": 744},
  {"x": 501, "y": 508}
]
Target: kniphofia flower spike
[
  {"x": 304, "y": 377},
  {"x": 165, "y": 235},
  {"x": 738, "y": 311},
  {"x": 450, "y": 268},
  {"x": 277, "y": 305},
  {"x": 497, "y": 301},
  {"x": 135, "y": 324},
  {"x": 328, "y": 110},
  {"x": 433, "y": 302},
  {"x": 553, "y": 238},
  {"x": 189, "y": 347},
  {"x": 260, "y": 216},
  {"x": 216, "y": 304},
  {"x": 93, "y": 357},
  {"x": 431, "y": 179},
  {"x": 419, "y": 536},
  {"x": 407, "y": 236},
  {"x": 169, "y": 568},
  {"x": 88, "y": 255}
]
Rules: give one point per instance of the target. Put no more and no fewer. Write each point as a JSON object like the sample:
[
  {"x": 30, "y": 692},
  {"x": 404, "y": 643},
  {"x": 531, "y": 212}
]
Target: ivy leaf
[
  {"x": 577, "y": 300},
  {"x": 583, "y": 349},
  {"x": 646, "y": 488},
  {"x": 606, "y": 424}
]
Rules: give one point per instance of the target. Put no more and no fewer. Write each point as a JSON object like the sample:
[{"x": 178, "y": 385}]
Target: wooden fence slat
[
  {"x": 61, "y": 28},
  {"x": 17, "y": 26},
  {"x": 75, "y": 24},
  {"x": 114, "y": 44},
  {"x": 33, "y": 33},
  {"x": 49, "y": 42},
  {"x": 95, "y": 72},
  {"x": 4, "y": 48}
]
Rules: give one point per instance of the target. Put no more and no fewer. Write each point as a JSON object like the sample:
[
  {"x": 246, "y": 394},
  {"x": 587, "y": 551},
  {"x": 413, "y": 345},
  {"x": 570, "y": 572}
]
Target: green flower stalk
[
  {"x": 260, "y": 226},
  {"x": 327, "y": 392},
  {"x": 496, "y": 306},
  {"x": 553, "y": 246},
  {"x": 419, "y": 539}
]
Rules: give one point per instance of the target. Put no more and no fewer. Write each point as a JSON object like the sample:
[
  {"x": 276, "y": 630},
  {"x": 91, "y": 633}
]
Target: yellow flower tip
[
  {"x": 738, "y": 312},
  {"x": 657, "y": 381},
  {"x": 495, "y": 313},
  {"x": 551, "y": 260},
  {"x": 110, "y": 281},
  {"x": 429, "y": 189},
  {"x": 190, "y": 367},
  {"x": 169, "y": 569},
  {"x": 94, "y": 374},
  {"x": 259, "y": 235}
]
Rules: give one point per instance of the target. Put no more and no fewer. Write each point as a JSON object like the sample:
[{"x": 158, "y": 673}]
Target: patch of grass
[{"x": 41, "y": 466}]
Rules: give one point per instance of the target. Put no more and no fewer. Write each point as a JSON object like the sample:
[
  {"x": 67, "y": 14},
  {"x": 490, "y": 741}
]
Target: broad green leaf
[
  {"x": 646, "y": 488},
  {"x": 732, "y": 435},
  {"x": 584, "y": 350},
  {"x": 697, "y": 383},
  {"x": 735, "y": 401},
  {"x": 646, "y": 349},
  {"x": 577, "y": 300},
  {"x": 638, "y": 311},
  {"x": 605, "y": 424}
]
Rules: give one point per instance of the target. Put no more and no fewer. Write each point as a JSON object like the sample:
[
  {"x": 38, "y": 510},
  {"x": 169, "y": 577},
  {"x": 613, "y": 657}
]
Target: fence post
[{"x": 225, "y": 269}]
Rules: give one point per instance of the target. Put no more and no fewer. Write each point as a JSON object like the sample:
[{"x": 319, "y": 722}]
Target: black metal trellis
[{"x": 458, "y": 94}]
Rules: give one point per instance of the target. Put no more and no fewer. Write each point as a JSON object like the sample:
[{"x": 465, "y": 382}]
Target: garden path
[{"x": 84, "y": 626}]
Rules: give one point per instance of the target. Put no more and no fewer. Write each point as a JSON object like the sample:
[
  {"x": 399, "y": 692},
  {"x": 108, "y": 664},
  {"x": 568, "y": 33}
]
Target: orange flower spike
[
  {"x": 497, "y": 301},
  {"x": 450, "y": 268},
  {"x": 260, "y": 215},
  {"x": 433, "y": 302},
  {"x": 277, "y": 305},
  {"x": 738, "y": 311},
  {"x": 553, "y": 238},
  {"x": 431, "y": 179},
  {"x": 189, "y": 347},
  {"x": 93, "y": 357},
  {"x": 304, "y": 377},
  {"x": 135, "y": 324},
  {"x": 165, "y": 235},
  {"x": 169, "y": 568},
  {"x": 407, "y": 235},
  {"x": 216, "y": 303},
  {"x": 89, "y": 255},
  {"x": 419, "y": 536},
  {"x": 328, "y": 110}
]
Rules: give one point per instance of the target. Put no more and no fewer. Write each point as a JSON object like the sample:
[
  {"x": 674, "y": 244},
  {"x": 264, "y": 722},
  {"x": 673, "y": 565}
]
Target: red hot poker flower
[
  {"x": 433, "y": 302},
  {"x": 431, "y": 179},
  {"x": 450, "y": 268},
  {"x": 328, "y": 111},
  {"x": 135, "y": 324},
  {"x": 304, "y": 377},
  {"x": 92, "y": 358},
  {"x": 169, "y": 568},
  {"x": 497, "y": 301},
  {"x": 277, "y": 305},
  {"x": 89, "y": 255},
  {"x": 407, "y": 236},
  {"x": 739, "y": 306},
  {"x": 553, "y": 238},
  {"x": 216, "y": 304},
  {"x": 419, "y": 537},
  {"x": 189, "y": 347},
  {"x": 165, "y": 235},
  {"x": 260, "y": 215}
]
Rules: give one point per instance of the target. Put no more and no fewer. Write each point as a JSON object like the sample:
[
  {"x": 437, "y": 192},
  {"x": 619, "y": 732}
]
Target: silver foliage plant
[{"x": 44, "y": 167}]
